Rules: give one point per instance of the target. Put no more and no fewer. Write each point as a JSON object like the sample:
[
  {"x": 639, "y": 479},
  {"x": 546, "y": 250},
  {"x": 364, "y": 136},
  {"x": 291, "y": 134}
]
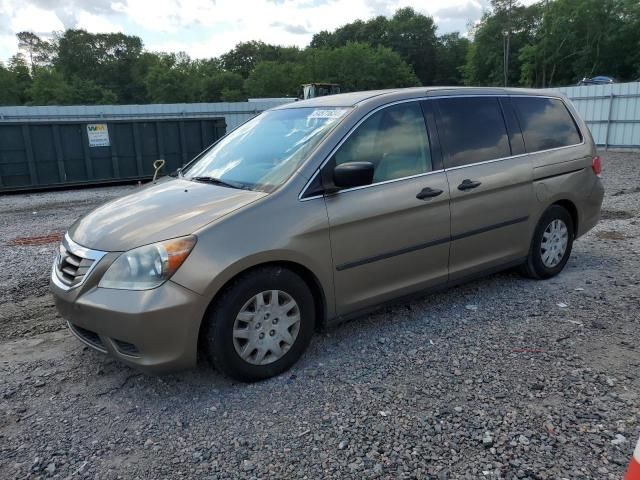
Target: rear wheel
[
  {"x": 551, "y": 245},
  {"x": 261, "y": 324}
]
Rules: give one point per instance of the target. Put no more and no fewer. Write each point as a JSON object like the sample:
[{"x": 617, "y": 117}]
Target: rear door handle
[
  {"x": 428, "y": 193},
  {"x": 468, "y": 184}
]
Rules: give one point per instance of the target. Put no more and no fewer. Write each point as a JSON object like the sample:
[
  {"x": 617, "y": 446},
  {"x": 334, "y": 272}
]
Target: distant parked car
[{"x": 600, "y": 80}]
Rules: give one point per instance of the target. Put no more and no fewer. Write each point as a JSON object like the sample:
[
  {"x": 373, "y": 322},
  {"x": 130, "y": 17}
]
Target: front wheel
[
  {"x": 551, "y": 245},
  {"x": 261, "y": 324}
]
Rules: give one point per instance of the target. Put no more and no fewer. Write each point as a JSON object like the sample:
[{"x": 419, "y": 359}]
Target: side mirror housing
[{"x": 353, "y": 174}]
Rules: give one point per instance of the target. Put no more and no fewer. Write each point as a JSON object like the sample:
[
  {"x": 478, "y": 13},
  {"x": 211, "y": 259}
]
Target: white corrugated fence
[{"x": 612, "y": 112}]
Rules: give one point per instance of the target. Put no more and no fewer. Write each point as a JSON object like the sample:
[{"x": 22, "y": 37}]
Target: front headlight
[{"x": 148, "y": 267}]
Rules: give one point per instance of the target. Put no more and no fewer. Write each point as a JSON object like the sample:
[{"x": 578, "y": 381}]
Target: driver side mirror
[{"x": 353, "y": 174}]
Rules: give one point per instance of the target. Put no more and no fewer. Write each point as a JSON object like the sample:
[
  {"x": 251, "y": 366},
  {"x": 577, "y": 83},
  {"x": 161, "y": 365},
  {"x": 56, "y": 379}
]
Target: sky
[{"x": 208, "y": 28}]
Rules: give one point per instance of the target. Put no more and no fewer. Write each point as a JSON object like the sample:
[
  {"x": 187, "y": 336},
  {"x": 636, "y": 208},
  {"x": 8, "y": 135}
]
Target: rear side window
[
  {"x": 545, "y": 123},
  {"x": 472, "y": 130}
]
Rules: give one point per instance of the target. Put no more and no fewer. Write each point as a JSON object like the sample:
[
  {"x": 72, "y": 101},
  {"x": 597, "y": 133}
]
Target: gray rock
[
  {"x": 51, "y": 468},
  {"x": 528, "y": 372}
]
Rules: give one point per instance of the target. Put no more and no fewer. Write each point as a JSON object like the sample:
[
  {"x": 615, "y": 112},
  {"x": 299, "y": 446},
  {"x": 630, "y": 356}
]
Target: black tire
[
  {"x": 218, "y": 337},
  {"x": 534, "y": 266}
]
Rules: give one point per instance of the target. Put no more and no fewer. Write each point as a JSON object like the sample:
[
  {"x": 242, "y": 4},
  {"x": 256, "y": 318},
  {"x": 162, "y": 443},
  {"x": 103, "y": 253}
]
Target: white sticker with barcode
[{"x": 329, "y": 114}]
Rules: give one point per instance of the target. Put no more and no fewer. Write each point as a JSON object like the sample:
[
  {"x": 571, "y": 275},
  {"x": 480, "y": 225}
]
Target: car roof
[{"x": 377, "y": 96}]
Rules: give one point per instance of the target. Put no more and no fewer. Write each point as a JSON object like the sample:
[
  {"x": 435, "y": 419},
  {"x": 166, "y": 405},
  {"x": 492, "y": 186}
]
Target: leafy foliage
[
  {"x": 557, "y": 42},
  {"x": 410, "y": 34},
  {"x": 551, "y": 42},
  {"x": 9, "y": 91}
]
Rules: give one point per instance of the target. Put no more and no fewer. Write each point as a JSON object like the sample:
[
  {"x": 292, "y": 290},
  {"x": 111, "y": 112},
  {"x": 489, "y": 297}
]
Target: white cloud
[
  {"x": 34, "y": 19},
  {"x": 97, "y": 23}
]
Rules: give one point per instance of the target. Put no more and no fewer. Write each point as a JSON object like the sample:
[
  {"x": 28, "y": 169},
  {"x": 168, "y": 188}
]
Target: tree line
[{"x": 549, "y": 43}]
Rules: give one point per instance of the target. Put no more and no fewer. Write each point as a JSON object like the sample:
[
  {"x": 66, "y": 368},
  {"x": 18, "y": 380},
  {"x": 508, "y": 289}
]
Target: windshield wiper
[{"x": 217, "y": 181}]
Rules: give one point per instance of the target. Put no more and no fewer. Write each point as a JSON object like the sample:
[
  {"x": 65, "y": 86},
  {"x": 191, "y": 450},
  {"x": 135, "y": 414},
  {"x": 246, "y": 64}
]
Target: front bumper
[{"x": 155, "y": 330}]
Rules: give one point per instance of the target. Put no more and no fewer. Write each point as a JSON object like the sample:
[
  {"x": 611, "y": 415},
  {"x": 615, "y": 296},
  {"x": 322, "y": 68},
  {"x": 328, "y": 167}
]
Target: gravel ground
[{"x": 501, "y": 378}]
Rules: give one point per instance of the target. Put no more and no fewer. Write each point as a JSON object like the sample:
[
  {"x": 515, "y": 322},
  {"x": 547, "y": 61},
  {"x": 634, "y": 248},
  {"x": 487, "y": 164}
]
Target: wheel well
[
  {"x": 307, "y": 275},
  {"x": 573, "y": 211}
]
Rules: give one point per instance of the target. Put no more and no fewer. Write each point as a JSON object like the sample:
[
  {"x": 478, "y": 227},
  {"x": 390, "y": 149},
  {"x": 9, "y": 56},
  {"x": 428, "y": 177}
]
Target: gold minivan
[{"x": 320, "y": 210}]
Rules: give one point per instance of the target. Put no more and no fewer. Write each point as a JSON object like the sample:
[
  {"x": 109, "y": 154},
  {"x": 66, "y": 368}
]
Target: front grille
[
  {"x": 72, "y": 268},
  {"x": 88, "y": 336},
  {"x": 73, "y": 263}
]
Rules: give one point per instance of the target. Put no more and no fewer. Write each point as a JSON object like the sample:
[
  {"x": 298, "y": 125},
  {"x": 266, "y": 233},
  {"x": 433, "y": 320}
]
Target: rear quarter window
[{"x": 546, "y": 123}]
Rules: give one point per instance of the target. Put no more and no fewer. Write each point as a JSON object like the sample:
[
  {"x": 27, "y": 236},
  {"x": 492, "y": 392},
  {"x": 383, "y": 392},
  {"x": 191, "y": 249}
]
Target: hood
[{"x": 169, "y": 209}]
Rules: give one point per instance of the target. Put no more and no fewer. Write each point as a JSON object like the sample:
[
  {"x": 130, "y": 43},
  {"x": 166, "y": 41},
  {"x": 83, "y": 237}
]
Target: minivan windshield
[{"x": 263, "y": 153}]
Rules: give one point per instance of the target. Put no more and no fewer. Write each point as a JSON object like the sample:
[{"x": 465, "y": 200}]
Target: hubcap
[
  {"x": 266, "y": 327},
  {"x": 554, "y": 243}
]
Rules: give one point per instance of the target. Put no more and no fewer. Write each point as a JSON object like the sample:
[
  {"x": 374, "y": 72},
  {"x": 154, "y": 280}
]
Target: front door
[{"x": 392, "y": 237}]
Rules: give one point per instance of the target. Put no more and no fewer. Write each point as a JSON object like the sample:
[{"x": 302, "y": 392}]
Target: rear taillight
[{"x": 596, "y": 165}]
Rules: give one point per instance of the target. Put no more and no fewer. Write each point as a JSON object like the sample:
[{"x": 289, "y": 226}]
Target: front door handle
[
  {"x": 468, "y": 184},
  {"x": 428, "y": 193}
]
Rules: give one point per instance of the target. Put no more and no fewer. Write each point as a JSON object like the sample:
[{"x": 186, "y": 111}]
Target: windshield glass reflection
[{"x": 264, "y": 152}]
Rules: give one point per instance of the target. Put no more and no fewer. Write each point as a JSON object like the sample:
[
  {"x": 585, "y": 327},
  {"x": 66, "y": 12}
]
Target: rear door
[
  {"x": 392, "y": 237},
  {"x": 490, "y": 181}
]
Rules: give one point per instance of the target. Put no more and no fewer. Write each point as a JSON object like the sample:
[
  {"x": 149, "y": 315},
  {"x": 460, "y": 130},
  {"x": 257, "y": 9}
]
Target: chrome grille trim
[{"x": 73, "y": 264}]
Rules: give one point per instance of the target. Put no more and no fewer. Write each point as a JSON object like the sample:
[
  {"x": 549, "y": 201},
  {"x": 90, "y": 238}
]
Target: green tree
[
  {"x": 9, "y": 90},
  {"x": 20, "y": 70},
  {"x": 170, "y": 79},
  {"x": 322, "y": 39},
  {"x": 413, "y": 36},
  {"x": 408, "y": 33},
  {"x": 451, "y": 55},
  {"x": 88, "y": 92},
  {"x": 358, "y": 66},
  {"x": 583, "y": 38},
  {"x": 373, "y": 32},
  {"x": 37, "y": 51},
  {"x": 552, "y": 42},
  {"x": 275, "y": 79},
  {"x": 111, "y": 60},
  {"x": 507, "y": 28},
  {"x": 244, "y": 57},
  {"x": 49, "y": 87},
  {"x": 222, "y": 86}
]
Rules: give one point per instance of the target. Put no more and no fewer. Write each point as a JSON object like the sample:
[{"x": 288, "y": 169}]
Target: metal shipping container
[{"x": 65, "y": 153}]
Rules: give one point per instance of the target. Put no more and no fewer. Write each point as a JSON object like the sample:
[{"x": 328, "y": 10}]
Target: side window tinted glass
[
  {"x": 394, "y": 140},
  {"x": 471, "y": 130},
  {"x": 546, "y": 123}
]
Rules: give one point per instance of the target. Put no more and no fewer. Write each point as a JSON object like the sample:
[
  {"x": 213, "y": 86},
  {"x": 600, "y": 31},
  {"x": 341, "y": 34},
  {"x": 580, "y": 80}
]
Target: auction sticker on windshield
[{"x": 330, "y": 114}]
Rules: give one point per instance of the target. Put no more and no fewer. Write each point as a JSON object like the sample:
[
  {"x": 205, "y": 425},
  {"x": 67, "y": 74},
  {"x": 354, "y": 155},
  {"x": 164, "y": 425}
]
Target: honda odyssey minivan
[{"x": 320, "y": 210}]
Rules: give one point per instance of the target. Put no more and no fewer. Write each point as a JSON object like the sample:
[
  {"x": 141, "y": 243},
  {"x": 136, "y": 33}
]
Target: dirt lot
[{"x": 502, "y": 378}]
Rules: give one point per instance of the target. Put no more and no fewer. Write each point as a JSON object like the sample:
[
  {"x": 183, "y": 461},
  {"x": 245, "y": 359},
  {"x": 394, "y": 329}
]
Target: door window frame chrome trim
[
  {"x": 422, "y": 99},
  {"x": 79, "y": 250}
]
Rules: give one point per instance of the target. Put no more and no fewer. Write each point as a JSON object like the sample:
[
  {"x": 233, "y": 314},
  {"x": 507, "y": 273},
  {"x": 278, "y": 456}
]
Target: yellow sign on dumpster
[{"x": 98, "y": 134}]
